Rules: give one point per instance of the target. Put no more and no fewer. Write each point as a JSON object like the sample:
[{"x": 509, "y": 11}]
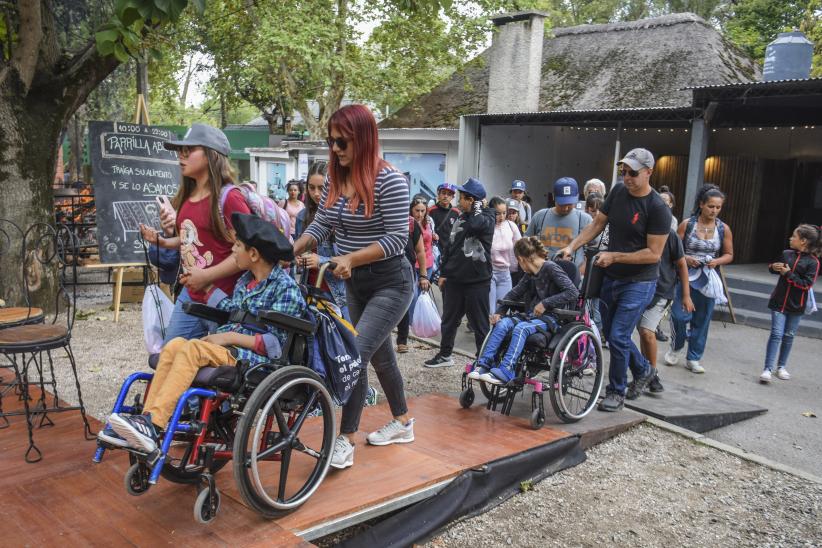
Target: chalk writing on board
[
  {"x": 130, "y": 168},
  {"x": 132, "y": 214}
]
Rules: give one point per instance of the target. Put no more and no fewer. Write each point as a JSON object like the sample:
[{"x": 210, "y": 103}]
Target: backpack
[{"x": 261, "y": 206}]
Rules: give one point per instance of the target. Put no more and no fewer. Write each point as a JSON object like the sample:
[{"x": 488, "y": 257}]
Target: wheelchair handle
[{"x": 512, "y": 304}]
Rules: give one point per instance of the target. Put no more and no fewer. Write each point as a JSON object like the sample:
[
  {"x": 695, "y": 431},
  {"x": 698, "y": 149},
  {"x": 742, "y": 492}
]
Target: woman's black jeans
[{"x": 378, "y": 296}]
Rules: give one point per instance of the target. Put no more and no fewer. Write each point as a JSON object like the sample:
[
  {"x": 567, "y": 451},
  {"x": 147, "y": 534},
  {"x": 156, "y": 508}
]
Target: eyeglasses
[
  {"x": 630, "y": 172},
  {"x": 341, "y": 143}
]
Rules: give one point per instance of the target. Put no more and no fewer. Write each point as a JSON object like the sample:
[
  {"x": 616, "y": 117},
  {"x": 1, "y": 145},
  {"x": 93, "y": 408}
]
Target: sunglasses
[
  {"x": 341, "y": 143},
  {"x": 630, "y": 172},
  {"x": 185, "y": 151}
]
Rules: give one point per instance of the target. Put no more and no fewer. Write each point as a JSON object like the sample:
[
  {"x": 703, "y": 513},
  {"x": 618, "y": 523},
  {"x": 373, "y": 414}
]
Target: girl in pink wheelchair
[{"x": 544, "y": 287}]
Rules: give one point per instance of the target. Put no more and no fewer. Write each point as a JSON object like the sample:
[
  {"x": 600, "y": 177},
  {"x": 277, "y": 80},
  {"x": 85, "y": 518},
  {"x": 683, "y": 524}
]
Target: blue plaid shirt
[{"x": 279, "y": 292}]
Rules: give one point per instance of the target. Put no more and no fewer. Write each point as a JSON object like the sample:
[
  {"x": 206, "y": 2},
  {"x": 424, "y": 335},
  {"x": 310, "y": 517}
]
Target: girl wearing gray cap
[{"x": 197, "y": 221}]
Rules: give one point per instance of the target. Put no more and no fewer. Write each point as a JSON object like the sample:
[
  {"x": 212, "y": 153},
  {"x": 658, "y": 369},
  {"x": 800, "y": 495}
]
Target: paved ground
[
  {"x": 733, "y": 361},
  {"x": 676, "y": 491}
]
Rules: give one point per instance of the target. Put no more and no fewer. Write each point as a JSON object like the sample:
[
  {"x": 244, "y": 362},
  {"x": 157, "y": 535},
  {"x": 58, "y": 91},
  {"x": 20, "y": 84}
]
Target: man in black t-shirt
[
  {"x": 444, "y": 214},
  {"x": 671, "y": 265},
  {"x": 639, "y": 223}
]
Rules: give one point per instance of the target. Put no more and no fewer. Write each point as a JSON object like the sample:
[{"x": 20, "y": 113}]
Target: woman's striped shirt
[{"x": 388, "y": 225}]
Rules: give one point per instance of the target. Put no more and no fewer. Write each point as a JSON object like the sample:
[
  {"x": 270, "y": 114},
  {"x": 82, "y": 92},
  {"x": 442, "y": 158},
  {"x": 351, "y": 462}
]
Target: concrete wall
[{"x": 539, "y": 155}]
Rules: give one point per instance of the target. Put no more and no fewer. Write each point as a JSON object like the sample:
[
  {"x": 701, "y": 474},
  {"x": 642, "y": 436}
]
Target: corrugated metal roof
[
  {"x": 757, "y": 83},
  {"x": 591, "y": 111}
]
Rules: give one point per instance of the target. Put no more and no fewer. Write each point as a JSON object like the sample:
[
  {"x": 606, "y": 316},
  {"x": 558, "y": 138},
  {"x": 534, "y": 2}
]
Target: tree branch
[
  {"x": 82, "y": 74},
  {"x": 24, "y": 58}
]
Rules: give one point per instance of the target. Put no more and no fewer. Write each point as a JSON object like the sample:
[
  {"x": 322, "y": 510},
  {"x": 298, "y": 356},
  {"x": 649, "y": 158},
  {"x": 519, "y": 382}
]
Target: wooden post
[
  {"x": 118, "y": 291},
  {"x": 727, "y": 293}
]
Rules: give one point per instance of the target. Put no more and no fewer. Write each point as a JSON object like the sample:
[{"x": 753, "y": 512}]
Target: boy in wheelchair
[
  {"x": 258, "y": 248},
  {"x": 545, "y": 287}
]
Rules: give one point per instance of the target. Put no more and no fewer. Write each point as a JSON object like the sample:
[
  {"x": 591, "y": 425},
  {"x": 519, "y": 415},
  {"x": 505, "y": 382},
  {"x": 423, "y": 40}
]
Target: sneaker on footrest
[
  {"x": 138, "y": 431},
  {"x": 488, "y": 378},
  {"x": 504, "y": 375},
  {"x": 108, "y": 436}
]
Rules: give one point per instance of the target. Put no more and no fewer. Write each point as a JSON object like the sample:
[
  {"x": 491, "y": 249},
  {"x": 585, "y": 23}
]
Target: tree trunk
[{"x": 29, "y": 134}]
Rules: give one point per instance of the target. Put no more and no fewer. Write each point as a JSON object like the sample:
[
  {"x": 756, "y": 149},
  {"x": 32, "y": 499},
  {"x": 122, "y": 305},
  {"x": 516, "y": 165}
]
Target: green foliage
[
  {"x": 125, "y": 33},
  {"x": 753, "y": 24}
]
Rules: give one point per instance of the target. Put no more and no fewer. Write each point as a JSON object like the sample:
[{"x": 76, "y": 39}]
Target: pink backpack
[{"x": 262, "y": 206}]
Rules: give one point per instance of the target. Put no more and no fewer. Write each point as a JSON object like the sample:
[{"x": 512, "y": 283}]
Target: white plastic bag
[
  {"x": 157, "y": 309},
  {"x": 426, "y": 323},
  {"x": 810, "y": 304}
]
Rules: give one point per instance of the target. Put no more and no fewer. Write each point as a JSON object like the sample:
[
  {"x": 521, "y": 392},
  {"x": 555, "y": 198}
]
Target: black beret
[{"x": 263, "y": 236}]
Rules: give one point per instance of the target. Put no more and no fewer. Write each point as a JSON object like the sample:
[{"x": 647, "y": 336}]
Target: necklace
[{"x": 705, "y": 229}]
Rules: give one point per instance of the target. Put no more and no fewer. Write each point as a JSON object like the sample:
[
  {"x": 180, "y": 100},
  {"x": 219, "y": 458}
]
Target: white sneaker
[
  {"x": 673, "y": 357},
  {"x": 783, "y": 374},
  {"x": 694, "y": 366},
  {"x": 477, "y": 372},
  {"x": 489, "y": 378},
  {"x": 765, "y": 377},
  {"x": 393, "y": 432},
  {"x": 343, "y": 456}
]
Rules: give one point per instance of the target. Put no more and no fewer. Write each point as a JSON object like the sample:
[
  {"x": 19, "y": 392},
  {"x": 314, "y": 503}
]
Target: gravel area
[{"x": 647, "y": 487}]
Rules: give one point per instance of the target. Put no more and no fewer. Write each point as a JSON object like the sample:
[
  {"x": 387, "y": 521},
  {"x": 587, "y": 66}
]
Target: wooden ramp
[{"x": 65, "y": 499}]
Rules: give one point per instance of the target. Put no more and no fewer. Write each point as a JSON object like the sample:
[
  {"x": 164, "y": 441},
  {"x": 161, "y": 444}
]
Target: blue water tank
[{"x": 788, "y": 57}]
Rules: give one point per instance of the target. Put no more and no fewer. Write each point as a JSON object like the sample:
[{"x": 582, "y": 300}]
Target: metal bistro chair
[
  {"x": 12, "y": 316},
  {"x": 46, "y": 249}
]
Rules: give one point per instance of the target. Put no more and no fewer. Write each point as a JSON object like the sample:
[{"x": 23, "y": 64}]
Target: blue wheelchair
[{"x": 274, "y": 422}]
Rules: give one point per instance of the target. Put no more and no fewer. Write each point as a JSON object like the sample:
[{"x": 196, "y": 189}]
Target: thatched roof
[{"x": 584, "y": 67}]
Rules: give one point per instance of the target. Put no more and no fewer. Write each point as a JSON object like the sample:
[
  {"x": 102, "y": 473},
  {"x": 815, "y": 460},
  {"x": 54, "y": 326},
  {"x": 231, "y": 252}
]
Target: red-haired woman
[{"x": 365, "y": 204}]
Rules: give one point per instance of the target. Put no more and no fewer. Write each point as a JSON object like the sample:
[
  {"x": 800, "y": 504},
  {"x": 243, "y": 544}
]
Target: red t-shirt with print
[{"x": 199, "y": 246}]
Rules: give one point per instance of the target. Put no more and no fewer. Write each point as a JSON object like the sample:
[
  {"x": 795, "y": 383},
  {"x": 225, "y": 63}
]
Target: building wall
[
  {"x": 423, "y": 145},
  {"x": 540, "y": 155}
]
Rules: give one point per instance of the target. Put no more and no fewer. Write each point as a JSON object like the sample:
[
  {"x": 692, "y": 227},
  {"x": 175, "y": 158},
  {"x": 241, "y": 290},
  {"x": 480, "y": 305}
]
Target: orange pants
[{"x": 178, "y": 365}]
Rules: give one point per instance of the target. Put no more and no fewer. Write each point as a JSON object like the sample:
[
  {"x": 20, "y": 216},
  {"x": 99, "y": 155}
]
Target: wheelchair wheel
[
  {"x": 204, "y": 510},
  {"x": 178, "y": 467},
  {"x": 136, "y": 479},
  {"x": 467, "y": 398},
  {"x": 281, "y": 455},
  {"x": 576, "y": 374}
]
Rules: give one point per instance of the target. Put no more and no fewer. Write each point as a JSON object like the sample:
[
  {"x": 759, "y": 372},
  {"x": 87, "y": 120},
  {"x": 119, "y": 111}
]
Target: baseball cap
[
  {"x": 201, "y": 135},
  {"x": 637, "y": 159},
  {"x": 473, "y": 187},
  {"x": 566, "y": 191},
  {"x": 518, "y": 185},
  {"x": 511, "y": 203},
  {"x": 447, "y": 186}
]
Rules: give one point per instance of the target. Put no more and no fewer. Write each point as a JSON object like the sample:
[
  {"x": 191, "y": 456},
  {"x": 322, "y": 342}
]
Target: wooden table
[{"x": 118, "y": 268}]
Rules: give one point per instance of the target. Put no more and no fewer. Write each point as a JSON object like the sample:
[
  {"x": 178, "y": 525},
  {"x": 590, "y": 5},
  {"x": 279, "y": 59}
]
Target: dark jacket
[
  {"x": 467, "y": 257},
  {"x": 791, "y": 292},
  {"x": 551, "y": 286},
  {"x": 444, "y": 218}
]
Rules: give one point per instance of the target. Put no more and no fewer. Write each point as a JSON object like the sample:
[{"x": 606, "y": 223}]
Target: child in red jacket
[{"x": 797, "y": 269}]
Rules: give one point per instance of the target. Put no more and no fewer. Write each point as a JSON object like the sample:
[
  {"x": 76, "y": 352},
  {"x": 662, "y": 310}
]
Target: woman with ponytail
[
  {"x": 798, "y": 268},
  {"x": 708, "y": 244},
  {"x": 365, "y": 205}
]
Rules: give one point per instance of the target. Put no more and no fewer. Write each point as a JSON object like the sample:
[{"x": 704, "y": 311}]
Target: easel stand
[{"x": 118, "y": 269}]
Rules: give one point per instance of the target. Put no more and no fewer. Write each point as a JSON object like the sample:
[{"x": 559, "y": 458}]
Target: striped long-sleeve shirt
[{"x": 388, "y": 225}]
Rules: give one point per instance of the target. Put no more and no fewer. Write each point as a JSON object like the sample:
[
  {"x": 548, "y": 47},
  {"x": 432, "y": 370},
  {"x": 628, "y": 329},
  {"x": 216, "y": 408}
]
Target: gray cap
[
  {"x": 203, "y": 136},
  {"x": 637, "y": 159}
]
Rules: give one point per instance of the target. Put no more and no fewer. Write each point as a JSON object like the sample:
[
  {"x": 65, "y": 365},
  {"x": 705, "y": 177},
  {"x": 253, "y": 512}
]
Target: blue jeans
[
  {"x": 185, "y": 326},
  {"x": 783, "y": 329},
  {"x": 699, "y": 320},
  {"x": 519, "y": 333},
  {"x": 624, "y": 303},
  {"x": 500, "y": 286}
]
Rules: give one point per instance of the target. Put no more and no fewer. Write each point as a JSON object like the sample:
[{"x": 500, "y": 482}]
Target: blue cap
[
  {"x": 474, "y": 188},
  {"x": 518, "y": 185},
  {"x": 566, "y": 191},
  {"x": 447, "y": 186}
]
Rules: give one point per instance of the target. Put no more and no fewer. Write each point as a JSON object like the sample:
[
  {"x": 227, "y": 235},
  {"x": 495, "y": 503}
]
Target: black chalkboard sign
[{"x": 130, "y": 167}]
